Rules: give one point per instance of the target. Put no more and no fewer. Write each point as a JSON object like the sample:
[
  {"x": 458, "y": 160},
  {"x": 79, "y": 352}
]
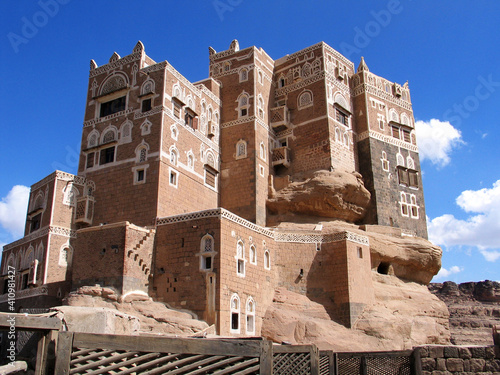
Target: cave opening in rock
[{"x": 383, "y": 268}]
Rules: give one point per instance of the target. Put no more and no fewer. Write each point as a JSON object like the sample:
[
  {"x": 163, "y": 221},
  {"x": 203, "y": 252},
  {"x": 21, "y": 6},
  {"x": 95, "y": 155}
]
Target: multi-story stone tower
[{"x": 173, "y": 179}]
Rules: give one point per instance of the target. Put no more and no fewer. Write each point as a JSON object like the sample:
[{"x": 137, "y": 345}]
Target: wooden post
[
  {"x": 266, "y": 357},
  {"x": 416, "y": 362},
  {"x": 63, "y": 356},
  {"x": 314, "y": 360},
  {"x": 362, "y": 368},
  {"x": 335, "y": 364}
]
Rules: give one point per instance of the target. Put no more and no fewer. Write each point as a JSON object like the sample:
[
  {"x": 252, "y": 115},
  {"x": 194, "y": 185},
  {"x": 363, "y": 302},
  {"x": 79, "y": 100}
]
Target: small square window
[
  {"x": 244, "y": 112},
  {"x": 146, "y": 105},
  {"x": 107, "y": 155},
  {"x": 172, "y": 180},
  {"x": 177, "y": 110},
  {"x": 140, "y": 175},
  {"x": 241, "y": 267}
]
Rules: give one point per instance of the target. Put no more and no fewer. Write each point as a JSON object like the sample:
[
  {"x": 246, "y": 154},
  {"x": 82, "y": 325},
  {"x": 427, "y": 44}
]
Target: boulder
[
  {"x": 338, "y": 195},
  {"x": 112, "y": 312},
  {"x": 403, "y": 315}
]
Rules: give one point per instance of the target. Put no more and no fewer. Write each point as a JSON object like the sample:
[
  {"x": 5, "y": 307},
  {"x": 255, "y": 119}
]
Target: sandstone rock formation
[
  {"x": 404, "y": 315},
  {"x": 134, "y": 314},
  {"x": 337, "y": 194},
  {"x": 474, "y": 308}
]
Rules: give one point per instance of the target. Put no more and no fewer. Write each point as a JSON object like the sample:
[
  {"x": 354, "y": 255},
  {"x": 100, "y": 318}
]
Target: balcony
[
  {"x": 85, "y": 210},
  {"x": 281, "y": 156},
  {"x": 280, "y": 118}
]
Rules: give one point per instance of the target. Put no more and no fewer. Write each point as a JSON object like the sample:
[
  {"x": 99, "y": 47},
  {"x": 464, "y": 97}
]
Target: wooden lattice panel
[
  {"x": 100, "y": 361},
  {"x": 292, "y": 363}
]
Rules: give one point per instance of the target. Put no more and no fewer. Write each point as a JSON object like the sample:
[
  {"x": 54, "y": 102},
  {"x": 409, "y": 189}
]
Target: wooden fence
[{"x": 84, "y": 353}]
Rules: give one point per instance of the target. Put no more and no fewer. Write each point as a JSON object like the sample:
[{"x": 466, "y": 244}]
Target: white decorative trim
[
  {"x": 387, "y": 139},
  {"x": 277, "y": 236},
  {"x": 365, "y": 87},
  {"x": 299, "y": 85},
  {"x": 117, "y": 64}
]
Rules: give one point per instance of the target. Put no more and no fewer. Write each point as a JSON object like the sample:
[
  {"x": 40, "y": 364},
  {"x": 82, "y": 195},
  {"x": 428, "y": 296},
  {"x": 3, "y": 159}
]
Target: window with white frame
[
  {"x": 174, "y": 155},
  {"x": 93, "y": 139},
  {"x": 305, "y": 99},
  {"x": 381, "y": 121},
  {"x": 250, "y": 315},
  {"x": 173, "y": 178},
  {"x": 243, "y": 105},
  {"x": 241, "y": 149},
  {"x": 174, "y": 132},
  {"x": 267, "y": 260},
  {"x": 146, "y": 127},
  {"x": 260, "y": 107},
  {"x": 207, "y": 252},
  {"x": 243, "y": 75},
  {"x": 404, "y": 205},
  {"x": 240, "y": 259},
  {"x": 190, "y": 160},
  {"x": 252, "y": 254},
  {"x": 262, "y": 149},
  {"x": 235, "y": 313},
  {"x": 413, "y": 206},
  {"x": 261, "y": 78},
  {"x": 139, "y": 176},
  {"x": 65, "y": 255},
  {"x": 385, "y": 162}
]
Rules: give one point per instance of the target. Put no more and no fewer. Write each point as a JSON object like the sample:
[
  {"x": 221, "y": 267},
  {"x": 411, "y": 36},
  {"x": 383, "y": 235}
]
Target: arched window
[
  {"x": 281, "y": 81},
  {"x": 148, "y": 87},
  {"x": 142, "y": 154},
  {"x": 410, "y": 163},
  {"x": 146, "y": 127},
  {"x": 305, "y": 99},
  {"x": 262, "y": 151},
  {"x": 338, "y": 138},
  {"x": 253, "y": 254},
  {"x": 235, "y": 313},
  {"x": 190, "y": 159},
  {"x": 404, "y": 204},
  {"x": 240, "y": 259},
  {"x": 109, "y": 136},
  {"x": 65, "y": 255},
  {"x": 243, "y": 105},
  {"x": 241, "y": 149},
  {"x": 93, "y": 139},
  {"x": 400, "y": 159},
  {"x": 413, "y": 206},
  {"x": 243, "y": 75},
  {"x": 174, "y": 132},
  {"x": 211, "y": 160},
  {"x": 346, "y": 139},
  {"x": 250, "y": 313},
  {"x": 260, "y": 107},
  {"x": 267, "y": 260},
  {"x": 126, "y": 132},
  {"x": 261, "y": 78},
  {"x": 207, "y": 252},
  {"x": 306, "y": 70},
  {"x": 173, "y": 156},
  {"x": 385, "y": 162}
]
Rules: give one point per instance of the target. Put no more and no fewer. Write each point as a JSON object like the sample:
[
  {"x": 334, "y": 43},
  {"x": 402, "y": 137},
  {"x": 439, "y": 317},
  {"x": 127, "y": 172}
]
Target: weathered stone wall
[{"x": 444, "y": 360}]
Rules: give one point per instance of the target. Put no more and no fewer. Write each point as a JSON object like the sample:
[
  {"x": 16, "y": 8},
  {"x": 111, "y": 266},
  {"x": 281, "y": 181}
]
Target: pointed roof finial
[
  {"x": 139, "y": 47},
  {"x": 114, "y": 57},
  {"x": 362, "y": 66},
  {"x": 211, "y": 51},
  {"x": 93, "y": 64}
]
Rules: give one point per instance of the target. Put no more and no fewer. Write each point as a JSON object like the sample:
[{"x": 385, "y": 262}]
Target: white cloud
[
  {"x": 13, "y": 210},
  {"x": 479, "y": 230},
  {"x": 490, "y": 256},
  {"x": 436, "y": 140},
  {"x": 444, "y": 273}
]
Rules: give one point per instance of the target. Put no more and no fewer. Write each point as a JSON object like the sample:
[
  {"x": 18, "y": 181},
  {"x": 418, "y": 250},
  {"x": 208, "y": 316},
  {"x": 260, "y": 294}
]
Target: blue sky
[{"x": 447, "y": 50}]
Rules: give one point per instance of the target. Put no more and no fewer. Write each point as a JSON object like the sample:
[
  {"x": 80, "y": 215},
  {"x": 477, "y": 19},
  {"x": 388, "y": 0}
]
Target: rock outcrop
[
  {"x": 134, "y": 314},
  {"x": 474, "y": 309},
  {"x": 404, "y": 315},
  {"x": 338, "y": 195}
]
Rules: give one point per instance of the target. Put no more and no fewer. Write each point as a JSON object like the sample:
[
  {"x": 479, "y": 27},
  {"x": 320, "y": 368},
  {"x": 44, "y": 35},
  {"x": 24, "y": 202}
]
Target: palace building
[{"x": 174, "y": 176}]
